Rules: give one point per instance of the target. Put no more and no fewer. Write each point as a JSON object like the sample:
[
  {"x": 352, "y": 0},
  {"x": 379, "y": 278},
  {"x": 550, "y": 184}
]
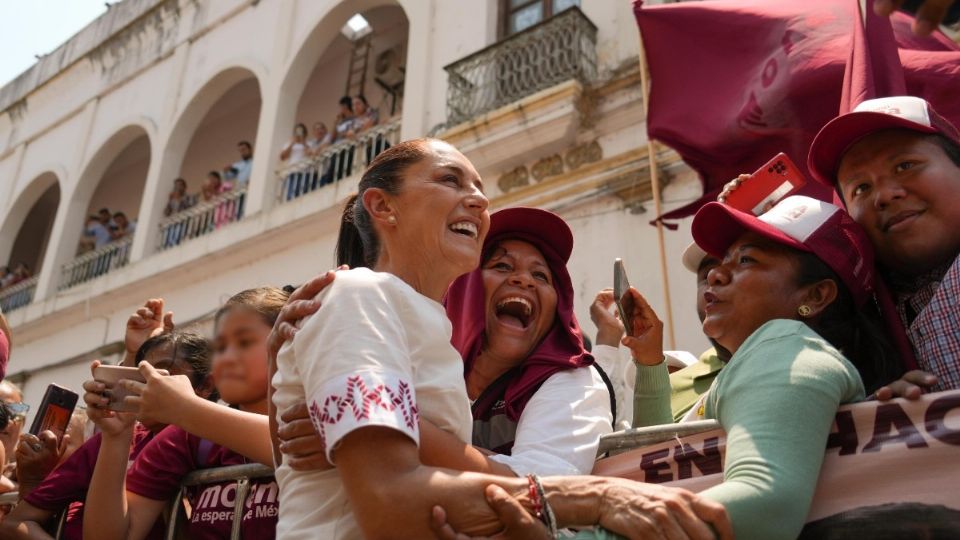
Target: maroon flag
[{"x": 733, "y": 82}]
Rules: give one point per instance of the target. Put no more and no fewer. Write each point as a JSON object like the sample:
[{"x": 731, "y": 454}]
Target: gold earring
[
  {"x": 804, "y": 310},
  {"x": 392, "y": 220}
]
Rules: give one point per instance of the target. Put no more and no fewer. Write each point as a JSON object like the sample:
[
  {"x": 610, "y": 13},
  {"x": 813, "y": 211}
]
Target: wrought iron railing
[
  {"x": 96, "y": 263},
  {"x": 19, "y": 294},
  {"x": 202, "y": 219},
  {"x": 559, "y": 49},
  {"x": 336, "y": 162}
]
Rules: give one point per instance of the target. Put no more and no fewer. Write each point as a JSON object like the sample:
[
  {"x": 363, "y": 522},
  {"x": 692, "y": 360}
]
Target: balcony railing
[
  {"x": 559, "y": 49},
  {"x": 96, "y": 263},
  {"x": 202, "y": 219},
  {"x": 18, "y": 294},
  {"x": 336, "y": 162}
]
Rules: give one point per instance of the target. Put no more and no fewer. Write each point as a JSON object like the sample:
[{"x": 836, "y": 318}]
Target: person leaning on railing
[{"x": 204, "y": 435}]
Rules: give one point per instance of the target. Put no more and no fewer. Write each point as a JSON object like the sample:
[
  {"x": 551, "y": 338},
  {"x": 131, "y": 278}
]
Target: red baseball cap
[
  {"x": 542, "y": 228},
  {"x": 903, "y": 112},
  {"x": 801, "y": 223}
]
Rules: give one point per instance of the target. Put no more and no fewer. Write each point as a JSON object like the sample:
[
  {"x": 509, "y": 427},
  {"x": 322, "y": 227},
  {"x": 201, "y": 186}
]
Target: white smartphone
[{"x": 110, "y": 376}]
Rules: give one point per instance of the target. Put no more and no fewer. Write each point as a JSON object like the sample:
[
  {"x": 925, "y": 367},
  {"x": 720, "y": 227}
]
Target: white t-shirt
[
  {"x": 298, "y": 152},
  {"x": 560, "y": 428},
  {"x": 375, "y": 353}
]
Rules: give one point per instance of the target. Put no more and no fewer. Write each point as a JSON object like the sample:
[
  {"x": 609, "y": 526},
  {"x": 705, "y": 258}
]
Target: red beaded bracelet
[{"x": 535, "y": 497}]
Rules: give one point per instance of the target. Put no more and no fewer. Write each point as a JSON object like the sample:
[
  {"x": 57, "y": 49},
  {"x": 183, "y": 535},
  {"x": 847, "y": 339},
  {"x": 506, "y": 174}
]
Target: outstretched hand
[
  {"x": 930, "y": 14},
  {"x": 147, "y": 322},
  {"x": 609, "y": 326}
]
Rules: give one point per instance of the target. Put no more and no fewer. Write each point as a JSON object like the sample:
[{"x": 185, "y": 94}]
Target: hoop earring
[{"x": 804, "y": 310}]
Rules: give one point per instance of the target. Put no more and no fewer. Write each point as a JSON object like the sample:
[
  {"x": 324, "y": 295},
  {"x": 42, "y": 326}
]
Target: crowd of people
[
  {"x": 234, "y": 175},
  {"x": 105, "y": 227},
  {"x": 438, "y": 383},
  {"x": 354, "y": 118}
]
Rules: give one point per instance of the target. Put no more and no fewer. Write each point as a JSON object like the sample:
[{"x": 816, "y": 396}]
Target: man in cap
[{"x": 895, "y": 163}]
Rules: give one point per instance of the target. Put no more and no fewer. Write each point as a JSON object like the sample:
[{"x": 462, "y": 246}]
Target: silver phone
[{"x": 622, "y": 297}]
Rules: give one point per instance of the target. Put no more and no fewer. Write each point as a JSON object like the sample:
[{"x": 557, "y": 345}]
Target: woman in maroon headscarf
[{"x": 538, "y": 402}]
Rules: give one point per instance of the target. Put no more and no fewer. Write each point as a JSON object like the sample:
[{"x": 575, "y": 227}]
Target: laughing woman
[{"x": 538, "y": 402}]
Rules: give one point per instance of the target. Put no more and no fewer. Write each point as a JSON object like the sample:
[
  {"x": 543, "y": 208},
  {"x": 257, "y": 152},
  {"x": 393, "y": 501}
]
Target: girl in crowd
[
  {"x": 790, "y": 300},
  {"x": 537, "y": 400},
  {"x": 377, "y": 355},
  {"x": 207, "y": 435},
  {"x": 180, "y": 353}
]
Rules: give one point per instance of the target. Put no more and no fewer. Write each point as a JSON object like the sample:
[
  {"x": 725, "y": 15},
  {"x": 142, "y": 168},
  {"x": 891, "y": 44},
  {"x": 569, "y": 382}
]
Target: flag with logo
[{"x": 734, "y": 82}]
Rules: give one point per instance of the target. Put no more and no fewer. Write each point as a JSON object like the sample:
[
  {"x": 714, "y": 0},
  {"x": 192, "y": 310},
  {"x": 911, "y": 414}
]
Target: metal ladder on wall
[{"x": 357, "y": 71}]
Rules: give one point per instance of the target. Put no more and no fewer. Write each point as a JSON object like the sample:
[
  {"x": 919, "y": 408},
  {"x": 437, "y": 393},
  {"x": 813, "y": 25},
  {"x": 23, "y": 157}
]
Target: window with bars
[{"x": 518, "y": 15}]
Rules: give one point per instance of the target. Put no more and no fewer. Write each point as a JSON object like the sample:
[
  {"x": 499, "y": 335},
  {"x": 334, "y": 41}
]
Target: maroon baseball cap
[
  {"x": 903, "y": 112},
  {"x": 542, "y": 228},
  {"x": 801, "y": 223}
]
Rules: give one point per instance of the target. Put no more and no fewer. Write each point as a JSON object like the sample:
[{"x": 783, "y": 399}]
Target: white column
[
  {"x": 71, "y": 214},
  {"x": 164, "y": 166}
]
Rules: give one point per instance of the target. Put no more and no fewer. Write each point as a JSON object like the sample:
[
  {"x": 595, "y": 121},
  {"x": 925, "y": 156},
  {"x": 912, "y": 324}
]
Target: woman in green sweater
[{"x": 790, "y": 301}]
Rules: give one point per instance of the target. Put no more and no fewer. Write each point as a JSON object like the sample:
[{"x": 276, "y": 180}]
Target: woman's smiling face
[
  {"x": 521, "y": 299},
  {"x": 441, "y": 211}
]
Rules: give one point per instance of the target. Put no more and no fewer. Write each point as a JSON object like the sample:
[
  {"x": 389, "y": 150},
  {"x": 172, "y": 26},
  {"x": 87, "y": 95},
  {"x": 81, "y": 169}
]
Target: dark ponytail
[
  {"x": 857, "y": 333},
  {"x": 357, "y": 243}
]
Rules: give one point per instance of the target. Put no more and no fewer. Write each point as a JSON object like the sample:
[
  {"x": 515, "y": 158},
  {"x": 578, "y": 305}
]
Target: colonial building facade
[{"x": 543, "y": 96}]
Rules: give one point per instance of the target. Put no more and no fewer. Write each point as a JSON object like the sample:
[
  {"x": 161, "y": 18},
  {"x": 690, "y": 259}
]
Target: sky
[{"x": 34, "y": 27}]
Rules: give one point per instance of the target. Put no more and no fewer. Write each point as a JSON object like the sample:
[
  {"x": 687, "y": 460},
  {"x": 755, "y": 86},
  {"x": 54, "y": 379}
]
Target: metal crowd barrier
[
  {"x": 622, "y": 441},
  {"x": 241, "y": 473}
]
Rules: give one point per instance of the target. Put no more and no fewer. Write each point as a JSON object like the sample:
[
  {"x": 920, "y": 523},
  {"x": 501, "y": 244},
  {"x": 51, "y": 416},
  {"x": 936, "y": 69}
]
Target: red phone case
[{"x": 777, "y": 179}]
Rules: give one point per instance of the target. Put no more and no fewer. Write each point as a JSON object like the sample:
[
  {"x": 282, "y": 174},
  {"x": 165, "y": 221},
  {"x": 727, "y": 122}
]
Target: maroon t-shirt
[
  {"x": 66, "y": 486},
  {"x": 171, "y": 455}
]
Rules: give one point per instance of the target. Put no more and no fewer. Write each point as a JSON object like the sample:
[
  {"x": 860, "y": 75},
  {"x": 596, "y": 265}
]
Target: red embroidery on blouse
[{"x": 362, "y": 402}]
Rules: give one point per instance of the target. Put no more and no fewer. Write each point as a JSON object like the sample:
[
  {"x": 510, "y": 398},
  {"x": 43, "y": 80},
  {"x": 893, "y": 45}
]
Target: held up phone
[
  {"x": 777, "y": 179},
  {"x": 110, "y": 376},
  {"x": 55, "y": 411},
  {"x": 622, "y": 297}
]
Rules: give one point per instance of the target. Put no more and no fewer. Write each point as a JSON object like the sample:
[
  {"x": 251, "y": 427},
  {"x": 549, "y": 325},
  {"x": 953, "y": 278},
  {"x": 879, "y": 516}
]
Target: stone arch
[{"x": 25, "y": 233}]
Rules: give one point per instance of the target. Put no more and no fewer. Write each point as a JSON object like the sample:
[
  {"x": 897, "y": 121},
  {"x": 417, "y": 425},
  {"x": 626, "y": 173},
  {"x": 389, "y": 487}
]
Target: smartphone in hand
[
  {"x": 110, "y": 376},
  {"x": 621, "y": 296},
  {"x": 55, "y": 411},
  {"x": 777, "y": 179}
]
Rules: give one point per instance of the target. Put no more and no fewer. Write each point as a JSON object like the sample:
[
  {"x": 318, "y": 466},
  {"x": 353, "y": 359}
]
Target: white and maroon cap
[
  {"x": 799, "y": 222},
  {"x": 903, "y": 112},
  {"x": 693, "y": 256}
]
